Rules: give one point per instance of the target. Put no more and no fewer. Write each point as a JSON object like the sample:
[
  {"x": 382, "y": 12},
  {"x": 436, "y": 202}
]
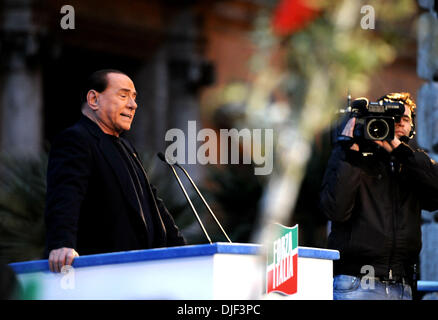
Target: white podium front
[{"x": 207, "y": 271}]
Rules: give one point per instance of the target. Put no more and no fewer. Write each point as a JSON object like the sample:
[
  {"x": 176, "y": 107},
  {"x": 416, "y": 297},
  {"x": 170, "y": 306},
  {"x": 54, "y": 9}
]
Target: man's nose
[{"x": 132, "y": 104}]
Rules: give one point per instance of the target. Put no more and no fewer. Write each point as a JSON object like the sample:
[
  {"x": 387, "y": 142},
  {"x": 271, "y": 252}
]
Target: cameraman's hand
[
  {"x": 389, "y": 145},
  {"x": 348, "y": 132}
]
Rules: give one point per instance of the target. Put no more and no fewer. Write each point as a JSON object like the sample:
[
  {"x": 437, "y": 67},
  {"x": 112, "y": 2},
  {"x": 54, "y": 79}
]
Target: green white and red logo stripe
[{"x": 282, "y": 264}]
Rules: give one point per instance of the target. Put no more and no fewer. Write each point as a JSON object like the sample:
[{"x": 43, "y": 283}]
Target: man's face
[
  {"x": 403, "y": 127},
  {"x": 116, "y": 105}
]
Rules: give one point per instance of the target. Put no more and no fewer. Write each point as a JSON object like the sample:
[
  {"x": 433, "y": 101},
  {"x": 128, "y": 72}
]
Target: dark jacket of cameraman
[{"x": 374, "y": 203}]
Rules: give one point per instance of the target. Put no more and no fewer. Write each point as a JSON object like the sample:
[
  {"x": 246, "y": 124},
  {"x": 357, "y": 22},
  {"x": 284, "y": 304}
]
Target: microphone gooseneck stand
[{"x": 164, "y": 159}]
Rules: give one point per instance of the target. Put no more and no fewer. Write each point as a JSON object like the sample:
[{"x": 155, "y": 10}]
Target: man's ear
[{"x": 92, "y": 99}]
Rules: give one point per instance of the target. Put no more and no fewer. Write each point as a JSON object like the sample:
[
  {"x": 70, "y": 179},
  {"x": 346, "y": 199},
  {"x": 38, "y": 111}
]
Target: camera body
[{"x": 375, "y": 121}]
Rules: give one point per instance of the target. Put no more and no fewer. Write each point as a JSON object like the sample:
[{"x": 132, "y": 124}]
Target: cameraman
[{"x": 374, "y": 201}]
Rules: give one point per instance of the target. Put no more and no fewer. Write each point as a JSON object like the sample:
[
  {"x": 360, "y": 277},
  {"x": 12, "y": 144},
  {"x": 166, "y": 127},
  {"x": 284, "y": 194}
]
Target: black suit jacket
[{"x": 91, "y": 204}]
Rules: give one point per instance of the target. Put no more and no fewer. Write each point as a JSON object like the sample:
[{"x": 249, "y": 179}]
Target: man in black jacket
[
  {"x": 99, "y": 198},
  {"x": 374, "y": 201}
]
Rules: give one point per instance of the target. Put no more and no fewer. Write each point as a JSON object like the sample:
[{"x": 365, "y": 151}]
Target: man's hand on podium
[{"x": 61, "y": 257}]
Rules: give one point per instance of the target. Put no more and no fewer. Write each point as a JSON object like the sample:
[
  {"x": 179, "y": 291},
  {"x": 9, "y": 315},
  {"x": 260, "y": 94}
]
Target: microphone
[{"x": 163, "y": 158}]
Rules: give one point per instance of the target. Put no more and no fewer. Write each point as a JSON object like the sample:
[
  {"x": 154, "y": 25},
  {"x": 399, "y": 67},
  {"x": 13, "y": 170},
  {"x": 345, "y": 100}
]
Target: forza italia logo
[{"x": 282, "y": 264}]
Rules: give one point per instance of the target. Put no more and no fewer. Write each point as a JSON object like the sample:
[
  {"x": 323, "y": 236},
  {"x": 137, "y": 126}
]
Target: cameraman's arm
[
  {"x": 340, "y": 184},
  {"x": 422, "y": 171}
]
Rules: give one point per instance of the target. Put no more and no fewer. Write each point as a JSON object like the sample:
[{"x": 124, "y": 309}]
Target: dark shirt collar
[{"x": 95, "y": 129}]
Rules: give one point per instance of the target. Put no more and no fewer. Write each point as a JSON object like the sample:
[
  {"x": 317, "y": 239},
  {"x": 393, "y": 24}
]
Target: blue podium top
[
  {"x": 169, "y": 253},
  {"x": 427, "y": 286}
]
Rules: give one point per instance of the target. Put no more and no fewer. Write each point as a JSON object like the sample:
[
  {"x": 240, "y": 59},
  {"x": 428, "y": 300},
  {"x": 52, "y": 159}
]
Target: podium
[{"x": 194, "y": 272}]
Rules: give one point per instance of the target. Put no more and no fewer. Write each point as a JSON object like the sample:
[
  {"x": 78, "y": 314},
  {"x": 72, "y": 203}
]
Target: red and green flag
[{"x": 282, "y": 264}]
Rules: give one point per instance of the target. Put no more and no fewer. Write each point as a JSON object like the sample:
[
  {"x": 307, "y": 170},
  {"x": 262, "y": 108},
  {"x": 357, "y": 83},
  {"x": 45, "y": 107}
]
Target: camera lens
[{"x": 378, "y": 129}]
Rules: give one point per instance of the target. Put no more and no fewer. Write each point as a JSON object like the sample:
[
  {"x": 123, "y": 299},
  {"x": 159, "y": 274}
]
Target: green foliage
[{"x": 22, "y": 201}]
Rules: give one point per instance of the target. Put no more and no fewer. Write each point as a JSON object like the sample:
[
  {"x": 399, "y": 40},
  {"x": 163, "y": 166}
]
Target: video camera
[{"x": 375, "y": 121}]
